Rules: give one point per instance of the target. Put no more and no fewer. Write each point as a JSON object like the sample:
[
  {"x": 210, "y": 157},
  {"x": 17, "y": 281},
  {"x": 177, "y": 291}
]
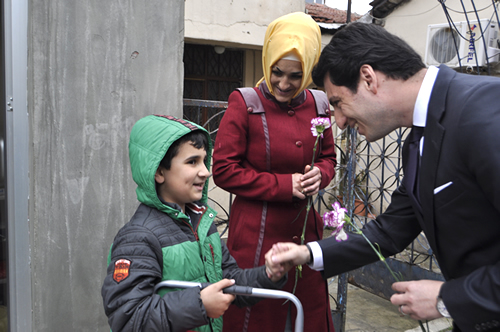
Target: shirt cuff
[{"x": 317, "y": 253}]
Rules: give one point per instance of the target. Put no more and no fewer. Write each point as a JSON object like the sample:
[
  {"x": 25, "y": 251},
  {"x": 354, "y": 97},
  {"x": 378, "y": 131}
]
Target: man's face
[{"x": 363, "y": 110}]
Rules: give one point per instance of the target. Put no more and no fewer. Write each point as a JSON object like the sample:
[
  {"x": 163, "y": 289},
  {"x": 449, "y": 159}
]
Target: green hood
[{"x": 150, "y": 139}]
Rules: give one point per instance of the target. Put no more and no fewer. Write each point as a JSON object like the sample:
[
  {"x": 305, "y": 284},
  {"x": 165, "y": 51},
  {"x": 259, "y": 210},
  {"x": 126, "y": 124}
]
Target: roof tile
[{"x": 323, "y": 13}]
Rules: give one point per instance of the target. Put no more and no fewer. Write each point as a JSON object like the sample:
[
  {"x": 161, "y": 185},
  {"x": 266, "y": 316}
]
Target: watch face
[{"x": 442, "y": 308}]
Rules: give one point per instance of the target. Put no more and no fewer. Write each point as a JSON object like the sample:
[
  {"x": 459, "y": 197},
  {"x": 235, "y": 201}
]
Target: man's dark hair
[
  {"x": 356, "y": 44},
  {"x": 197, "y": 138}
]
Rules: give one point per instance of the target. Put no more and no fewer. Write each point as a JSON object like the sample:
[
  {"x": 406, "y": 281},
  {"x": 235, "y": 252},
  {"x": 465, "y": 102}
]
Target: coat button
[
  {"x": 296, "y": 239},
  {"x": 211, "y": 215},
  {"x": 298, "y": 143},
  {"x": 291, "y": 113},
  {"x": 249, "y": 110}
]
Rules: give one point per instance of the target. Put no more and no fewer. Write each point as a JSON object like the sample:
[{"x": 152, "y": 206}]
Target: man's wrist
[
  {"x": 441, "y": 307},
  {"x": 311, "y": 259},
  {"x": 316, "y": 262}
]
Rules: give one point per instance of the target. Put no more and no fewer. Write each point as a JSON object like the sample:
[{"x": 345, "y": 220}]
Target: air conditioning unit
[{"x": 441, "y": 49}]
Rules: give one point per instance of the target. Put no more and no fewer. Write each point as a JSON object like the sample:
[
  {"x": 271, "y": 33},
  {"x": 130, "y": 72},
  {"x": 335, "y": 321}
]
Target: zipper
[
  {"x": 199, "y": 222},
  {"x": 212, "y": 251},
  {"x": 193, "y": 230}
]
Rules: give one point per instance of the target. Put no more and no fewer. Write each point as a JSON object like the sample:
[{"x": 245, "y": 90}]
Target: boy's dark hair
[
  {"x": 356, "y": 44},
  {"x": 197, "y": 138}
]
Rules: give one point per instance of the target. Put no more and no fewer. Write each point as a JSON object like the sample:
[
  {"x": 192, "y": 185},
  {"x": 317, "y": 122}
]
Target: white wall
[
  {"x": 410, "y": 20},
  {"x": 226, "y": 22}
]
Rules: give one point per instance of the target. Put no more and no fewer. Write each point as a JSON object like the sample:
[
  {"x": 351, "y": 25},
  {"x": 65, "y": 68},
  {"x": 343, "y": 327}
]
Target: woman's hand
[
  {"x": 311, "y": 180},
  {"x": 296, "y": 187},
  {"x": 306, "y": 184}
]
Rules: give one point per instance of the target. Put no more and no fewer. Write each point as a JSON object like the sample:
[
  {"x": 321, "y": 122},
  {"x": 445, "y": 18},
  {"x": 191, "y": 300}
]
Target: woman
[{"x": 263, "y": 157}]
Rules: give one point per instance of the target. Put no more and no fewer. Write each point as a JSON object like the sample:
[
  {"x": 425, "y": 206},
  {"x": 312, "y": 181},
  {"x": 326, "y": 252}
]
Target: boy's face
[{"x": 184, "y": 181}]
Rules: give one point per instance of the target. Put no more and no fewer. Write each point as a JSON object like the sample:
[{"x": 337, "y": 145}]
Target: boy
[{"x": 172, "y": 237}]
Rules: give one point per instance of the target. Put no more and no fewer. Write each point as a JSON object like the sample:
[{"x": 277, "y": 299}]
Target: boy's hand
[
  {"x": 214, "y": 300},
  {"x": 276, "y": 271}
]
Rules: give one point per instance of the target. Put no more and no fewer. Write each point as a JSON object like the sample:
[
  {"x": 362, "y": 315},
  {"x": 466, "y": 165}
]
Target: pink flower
[
  {"x": 336, "y": 219},
  {"x": 319, "y": 125}
]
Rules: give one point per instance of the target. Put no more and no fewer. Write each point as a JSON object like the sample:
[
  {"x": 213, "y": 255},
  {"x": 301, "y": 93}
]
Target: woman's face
[{"x": 286, "y": 78}]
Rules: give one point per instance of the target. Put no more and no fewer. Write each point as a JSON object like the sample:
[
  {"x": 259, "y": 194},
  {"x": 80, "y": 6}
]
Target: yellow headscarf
[{"x": 297, "y": 33}]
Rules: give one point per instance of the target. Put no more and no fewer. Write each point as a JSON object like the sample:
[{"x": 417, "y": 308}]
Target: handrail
[{"x": 244, "y": 291}]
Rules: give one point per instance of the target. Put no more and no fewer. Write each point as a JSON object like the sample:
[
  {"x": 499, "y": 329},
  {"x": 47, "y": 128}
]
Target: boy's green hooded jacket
[
  {"x": 161, "y": 242},
  {"x": 149, "y": 141}
]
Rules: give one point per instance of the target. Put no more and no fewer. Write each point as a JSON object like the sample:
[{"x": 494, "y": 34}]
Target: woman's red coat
[{"x": 240, "y": 168}]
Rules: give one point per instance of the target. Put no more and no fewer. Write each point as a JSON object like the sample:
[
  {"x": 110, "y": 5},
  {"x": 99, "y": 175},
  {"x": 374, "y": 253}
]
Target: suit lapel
[{"x": 433, "y": 139}]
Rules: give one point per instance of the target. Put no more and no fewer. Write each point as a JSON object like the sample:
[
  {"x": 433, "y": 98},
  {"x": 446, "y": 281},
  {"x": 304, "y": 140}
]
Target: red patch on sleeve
[{"x": 122, "y": 267}]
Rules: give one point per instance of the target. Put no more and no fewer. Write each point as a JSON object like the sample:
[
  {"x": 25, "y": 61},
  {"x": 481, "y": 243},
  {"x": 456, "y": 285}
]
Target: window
[{"x": 210, "y": 76}]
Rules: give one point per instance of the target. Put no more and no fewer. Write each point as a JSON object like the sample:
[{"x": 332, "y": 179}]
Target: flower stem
[
  {"x": 298, "y": 268},
  {"x": 382, "y": 258}
]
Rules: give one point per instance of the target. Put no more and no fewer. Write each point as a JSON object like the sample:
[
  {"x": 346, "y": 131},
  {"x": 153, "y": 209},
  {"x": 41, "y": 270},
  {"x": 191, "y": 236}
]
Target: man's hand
[
  {"x": 276, "y": 271},
  {"x": 417, "y": 299},
  {"x": 214, "y": 300},
  {"x": 290, "y": 253}
]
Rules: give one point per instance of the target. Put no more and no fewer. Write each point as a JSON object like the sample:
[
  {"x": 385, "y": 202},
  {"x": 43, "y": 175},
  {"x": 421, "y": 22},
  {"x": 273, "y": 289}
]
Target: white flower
[
  {"x": 319, "y": 125},
  {"x": 336, "y": 220}
]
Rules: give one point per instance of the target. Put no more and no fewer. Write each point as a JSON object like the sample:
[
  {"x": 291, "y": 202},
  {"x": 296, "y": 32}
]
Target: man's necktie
[{"x": 414, "y": 159}]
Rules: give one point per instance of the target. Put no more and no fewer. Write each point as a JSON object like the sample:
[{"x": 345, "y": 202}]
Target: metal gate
[{"x": 366, "y": 175}]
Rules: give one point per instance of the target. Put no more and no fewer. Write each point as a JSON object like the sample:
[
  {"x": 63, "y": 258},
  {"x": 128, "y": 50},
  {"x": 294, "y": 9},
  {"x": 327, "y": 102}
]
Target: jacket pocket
[{"x": 447, "y": 194}]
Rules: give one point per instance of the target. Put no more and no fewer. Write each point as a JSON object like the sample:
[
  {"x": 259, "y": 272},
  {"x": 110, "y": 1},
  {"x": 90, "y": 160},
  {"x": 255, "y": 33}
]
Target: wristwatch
[{"x": 442, "y": 308}]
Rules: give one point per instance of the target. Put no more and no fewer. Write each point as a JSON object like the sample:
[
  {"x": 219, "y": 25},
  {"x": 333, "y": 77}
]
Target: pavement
[{"x": 367, "y": 312}]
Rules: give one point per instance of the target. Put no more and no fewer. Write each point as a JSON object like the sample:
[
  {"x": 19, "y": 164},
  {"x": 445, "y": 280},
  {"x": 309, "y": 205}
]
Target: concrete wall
[
  {"x": 229, "y": 22},
  {"x": 95, "y": 67}
]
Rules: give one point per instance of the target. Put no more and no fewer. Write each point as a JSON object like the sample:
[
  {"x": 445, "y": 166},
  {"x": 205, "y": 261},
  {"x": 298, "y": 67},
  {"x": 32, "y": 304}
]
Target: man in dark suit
[{"x": 451, "y": 189}]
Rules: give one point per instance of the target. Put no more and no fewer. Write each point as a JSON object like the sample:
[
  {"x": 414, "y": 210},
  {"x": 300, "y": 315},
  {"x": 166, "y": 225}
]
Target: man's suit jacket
[{"x": 462, "y": 221}]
